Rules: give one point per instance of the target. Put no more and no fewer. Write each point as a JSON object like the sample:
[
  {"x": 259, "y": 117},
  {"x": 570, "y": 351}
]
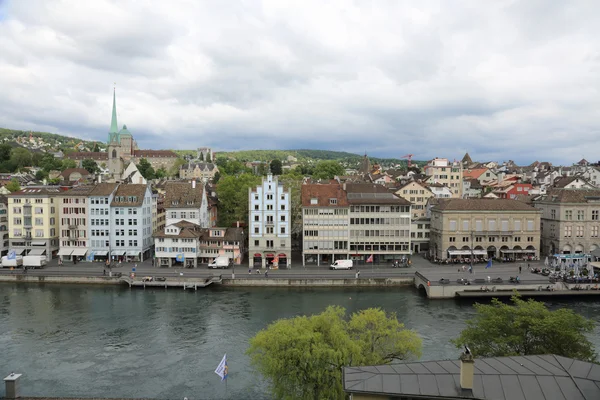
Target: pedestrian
[
  {"x": 266, "y": 273},
  {"x": 358, "y": 273},
  {"x": 470, "y": 269},
  {"x": 250, "y": 271},
  {"x": 519, "y": 268},
  {"x": 104, "y": 271},
  {"x": 464, "y": 267}
]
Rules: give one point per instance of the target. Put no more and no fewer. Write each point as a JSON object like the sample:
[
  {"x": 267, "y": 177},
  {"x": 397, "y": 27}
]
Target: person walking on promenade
[
  {"x": 520, "y": 268},
  {"x": 266, "y": 273}
]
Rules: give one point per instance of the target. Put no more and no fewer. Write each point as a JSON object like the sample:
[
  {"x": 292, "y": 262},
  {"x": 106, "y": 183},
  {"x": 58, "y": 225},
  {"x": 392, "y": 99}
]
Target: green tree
[
  {"x": 302, "y": 357},
  {"x": 161, "y": 172},
  {"x": 174, "y": 170},
  {"x": 36, "y": 159},
  {"x": 216, "y": 177},
  {"x": 90, "y": 166},
  {"x": 96, "y": 149},
  {"x": 20, "y": 157},
  {"x": 201, "y": 156},
  {"x": 208, "y": 158},
  {"x": 233, "y": 197},
  {"x": 13, "y": 185},
  {"x": 41, "y": 175},
  {"x": 327, "y": 170},
  {"x": 527, "y": 328},
  {"x": 5, "y": 152},
  {"x": 292, "y": 181},
  {"x": 276, "y": 167},
  {"x": 49, "y": 162},
  {"x": 146, "y": 169},
  {"x": 68, "y": 163}
]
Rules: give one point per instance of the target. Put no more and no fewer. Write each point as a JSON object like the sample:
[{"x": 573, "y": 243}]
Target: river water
[{"x": 115, "y": 342}]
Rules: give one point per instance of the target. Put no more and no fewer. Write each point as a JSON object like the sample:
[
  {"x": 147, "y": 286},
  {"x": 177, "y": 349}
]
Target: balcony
[{"x": 73, "y": 227}]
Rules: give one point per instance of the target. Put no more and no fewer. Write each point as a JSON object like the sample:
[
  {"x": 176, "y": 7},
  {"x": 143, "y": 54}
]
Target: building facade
[
  {"x": 4, "y": 240},
  {"x": 131, "y": 223},
  {"x": 33, "y": 221},
  {"x": 73, "y": 223},
  {"x": 485, "y": 228},
  {"x": 269, "y": 225},
  {"x": 186, "y": 201},
  {"x": 99, "y": 201},
  {"x": 204, "y": 171},
  {"x": 362, "y": 222},
  {"x": 417, "y": 194},
  {"x": 447, "y": 173},
  {"x": 570, "y": 221}
]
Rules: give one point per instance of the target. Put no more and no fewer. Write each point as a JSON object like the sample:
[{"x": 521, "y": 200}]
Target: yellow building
[
  {"x": 33, "y": 221},
  {"x": 446, "y": 173},
  {"x": 418, "y": 195}
]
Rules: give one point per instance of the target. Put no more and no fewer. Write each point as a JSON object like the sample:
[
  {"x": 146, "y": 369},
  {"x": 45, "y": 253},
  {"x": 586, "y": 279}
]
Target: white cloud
[{"x": 505, "y": 79}]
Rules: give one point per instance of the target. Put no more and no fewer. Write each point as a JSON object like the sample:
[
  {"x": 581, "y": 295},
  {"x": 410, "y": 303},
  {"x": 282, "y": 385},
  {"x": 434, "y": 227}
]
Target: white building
[
  {"x": 99, "y": 220},
  {"x": 269, "y": 233},
  {"x": 186, "y": 201}
]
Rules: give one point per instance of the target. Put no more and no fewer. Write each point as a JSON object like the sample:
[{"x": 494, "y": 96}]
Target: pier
[{"x": 187, "y": 283}]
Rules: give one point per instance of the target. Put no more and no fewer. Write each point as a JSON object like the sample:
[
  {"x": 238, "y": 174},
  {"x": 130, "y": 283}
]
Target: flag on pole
[
  {"x": 489, "y": 264},
  {"x": 370, "y": 259},
  {"x": 12, "y": 255},
  {"x": 222, "y": 369},
  {"x": 180, "y": 257}
]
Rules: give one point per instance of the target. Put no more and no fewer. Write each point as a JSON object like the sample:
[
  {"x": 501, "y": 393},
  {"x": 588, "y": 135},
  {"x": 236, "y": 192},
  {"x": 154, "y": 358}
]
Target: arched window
[{"x": 114, "y": 153}]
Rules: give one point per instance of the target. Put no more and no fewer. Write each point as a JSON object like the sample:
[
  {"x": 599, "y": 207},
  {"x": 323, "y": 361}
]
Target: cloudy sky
[{"x": 502, "y": 79}]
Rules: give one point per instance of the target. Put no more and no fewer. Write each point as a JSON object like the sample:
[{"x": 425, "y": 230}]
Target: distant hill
[
  {"x": 55, "y": 141},
  {"x": 304, "y": 155}
]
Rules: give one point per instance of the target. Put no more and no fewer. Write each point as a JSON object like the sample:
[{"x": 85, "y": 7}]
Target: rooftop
[
  {"x": 501, "y": 378},
  {"x": 323, "y": 194},
  {"x": 129, "y": 195},
  {"x": 556, "y": 195},
  {"x": 183, "y": 195},
  {"x": 482, "y": 205}
]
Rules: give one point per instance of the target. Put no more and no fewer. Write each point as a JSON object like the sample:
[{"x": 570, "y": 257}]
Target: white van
[
  {"x": 34, "y": 261},
  {"x": 15, "y": 262},
  {"x": 219, "y": 262},
  {"x": 342, "y": 264}
]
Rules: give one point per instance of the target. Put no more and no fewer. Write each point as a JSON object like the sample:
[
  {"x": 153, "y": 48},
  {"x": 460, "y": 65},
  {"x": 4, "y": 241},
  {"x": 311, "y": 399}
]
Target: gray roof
[{"x": 500, "y": 378}]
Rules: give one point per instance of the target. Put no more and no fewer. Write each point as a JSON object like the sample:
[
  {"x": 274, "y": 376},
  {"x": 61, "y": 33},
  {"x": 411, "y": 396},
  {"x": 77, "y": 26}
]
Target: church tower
[{"x": 114, "y": 165}]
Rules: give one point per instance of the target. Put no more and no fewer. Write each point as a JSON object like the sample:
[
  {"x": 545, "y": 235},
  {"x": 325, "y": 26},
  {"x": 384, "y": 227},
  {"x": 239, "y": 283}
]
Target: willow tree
[{"x": 302, "y": 357}]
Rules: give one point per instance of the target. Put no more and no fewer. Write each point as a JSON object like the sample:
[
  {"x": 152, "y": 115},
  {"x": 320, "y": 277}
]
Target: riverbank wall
[{"x": 245, "y": 282}]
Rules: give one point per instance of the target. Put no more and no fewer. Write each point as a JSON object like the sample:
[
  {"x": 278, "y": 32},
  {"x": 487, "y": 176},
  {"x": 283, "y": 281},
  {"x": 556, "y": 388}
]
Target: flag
[
  {"x": 489, "y": 264},
  {"x": 180, "y": 257},
  {"x": 12, "y": 255},
  {"x": 222, "y": 369},
  {"x": 276, "y": 260},
  {"x": 370, "y": 259}
]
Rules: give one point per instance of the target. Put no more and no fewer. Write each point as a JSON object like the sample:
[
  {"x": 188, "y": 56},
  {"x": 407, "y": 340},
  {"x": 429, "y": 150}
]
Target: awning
[
  {"x": 19, "y": 252},
  {"x": 511, "y": 251},
  {"x": 79, "y": 252},
  {"x": 529, "y": 251},
  {"x": 281, "y": 255},
  {"x": 118, "y": 253},
  {"x": 36, "y": 252},
  {"x": 38, "y": 243},
  {"x": 133, "y": 253},
  {"x": 480, "y": 252},
  {"x": 100, "y": 253},
  {"x": 257, "y": 255},
  {"x": 65, "y": 251},
  {"x": 460, "y": 252}
]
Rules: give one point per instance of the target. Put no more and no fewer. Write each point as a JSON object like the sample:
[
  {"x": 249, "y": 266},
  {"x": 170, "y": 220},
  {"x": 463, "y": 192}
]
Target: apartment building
[
  {"x": 419, "y": 235},
  {"x": 186, "y": 201},
  {"x": 570, "y": 221},
  {"x": 185, "y": 244},
  {"x": 446, "y": 173},
  {"x": 131, "y": 223},
  {"x": 417, "y": 194},
  {"x": 73, "y": 223},
  {"x": 33, "y": 221},
  {"x": 269, "y": 240},
  {"x": 99, "y": 201},
  {"x": 362, "y": 222},
  {"x": 497, "y": 228},
  {"x": 3, "y": 225}
]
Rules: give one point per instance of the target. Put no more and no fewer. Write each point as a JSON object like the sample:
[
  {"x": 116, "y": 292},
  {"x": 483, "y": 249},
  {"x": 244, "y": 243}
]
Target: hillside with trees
[{"x": 51, "y": 141}]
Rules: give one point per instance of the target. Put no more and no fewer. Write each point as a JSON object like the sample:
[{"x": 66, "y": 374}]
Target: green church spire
[{"x": 114, "y": 127}]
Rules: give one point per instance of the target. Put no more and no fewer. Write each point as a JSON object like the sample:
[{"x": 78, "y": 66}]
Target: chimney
[
  {"x": 194, "y": 184},
  {"x": 12, "y": 386},
  {"x": 344, "y": 186},
  {"x": 237, "y": 223},
  {"x": 467, "y": 367}
]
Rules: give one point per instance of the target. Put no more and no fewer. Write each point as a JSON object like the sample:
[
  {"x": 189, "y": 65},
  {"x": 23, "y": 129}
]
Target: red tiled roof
[
  {"x": 323, "y": 193},
  {"x": 154, "y": 153},
  {"x": 92, "y": 155},
  {"x": 474, "y": 173}
]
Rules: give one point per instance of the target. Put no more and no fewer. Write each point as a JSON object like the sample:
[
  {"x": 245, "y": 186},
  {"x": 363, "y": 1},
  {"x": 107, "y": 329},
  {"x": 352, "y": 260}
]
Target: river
[{"x": 114, "y": 342}]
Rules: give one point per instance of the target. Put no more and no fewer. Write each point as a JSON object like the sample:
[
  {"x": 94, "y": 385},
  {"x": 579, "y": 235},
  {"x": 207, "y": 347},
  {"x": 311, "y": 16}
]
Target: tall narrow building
[{"x": 269, "y": 237}]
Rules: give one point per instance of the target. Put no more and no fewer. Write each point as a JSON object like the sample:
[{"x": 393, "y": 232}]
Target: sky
[{"x": 502, "y": 79}]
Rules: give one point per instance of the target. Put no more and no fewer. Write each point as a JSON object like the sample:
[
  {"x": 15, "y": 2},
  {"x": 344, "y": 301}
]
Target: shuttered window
[
  {"x": 530, "y": 225},
  {"x": 504, "y": 225},
  {"x": 478, "y": 225},
  {"x": 465, "y": 226},
  {"x": 517, "y": 223},
  {"x": 452, "y": 225},
  {"x": 492, "y": 225}
]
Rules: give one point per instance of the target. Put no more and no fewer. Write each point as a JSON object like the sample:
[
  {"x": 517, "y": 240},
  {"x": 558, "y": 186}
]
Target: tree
[
  {"x": 302, "y": 357},
  {"x": 161, "y": 172},
  {"x": 216, "y": 177},
  {"x": 526, "y": 328},
  {"x": 90, "y": 166},
  {"x": 276, "y": 167},
  {"x": 201, "y": 156},
  {"x": 292, "y": 180},
  {"x": 49, "y": 162},
  {"x": 5, "y": 152},
  {"x": 68, "y": 163},
  {"x": 21, "y": 157},
  {"x": 174, "y": 170},
  {"x": 327, "y": 170},
  {"x": 232, "y": 192},
  {"x": 36, "y": 159},
  {"x": 13, "y": 185},
  {"x": 146, "y": 169},
  {"x": 41, "y": 175},
  {"x": 96, "y": 149},
  {"x": 208, "y": 158}
]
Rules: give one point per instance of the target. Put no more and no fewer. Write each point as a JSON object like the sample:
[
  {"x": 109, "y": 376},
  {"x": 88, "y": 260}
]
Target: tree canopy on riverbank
[
  {"x": 302, "y": 357},
  {"x": 527, "y": 328}
]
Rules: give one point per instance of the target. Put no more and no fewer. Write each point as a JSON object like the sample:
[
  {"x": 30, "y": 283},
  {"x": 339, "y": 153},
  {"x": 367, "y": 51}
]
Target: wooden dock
[{"x": 186, "y": 284}]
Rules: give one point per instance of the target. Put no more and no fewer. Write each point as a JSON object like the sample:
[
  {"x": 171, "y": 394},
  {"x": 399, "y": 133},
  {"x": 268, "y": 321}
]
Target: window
[
  {"x": 478, "y": 239},
  {"x": 269, "y": 206},
  {"x": 282, "y": 218},
  {"x": 492, "y": 239},
  {"x": 256, "y": 229},
  {"x": 452, "y": 225},
  {"x": 465, "y": 225},
  {"x": 465, "y": 239},
  {"x": 333, "y": 201},
  {"x": 257, "y": 243},
  {"x": 256, "y": 206},
  {"x": 269, "y": 197},
  {"x": 517, "y": 238},
  {"x": 314, "y": 201},
  {"x": 492, "y": 225},
  {"x": 568, "y": 231},
  {"x": 594, "y": 215},
  {"x": 269, "y": 230},
  {"x": 478, "y": 225},
  {"x": 283, "y": 230},
  {"x": 568, "y": 215},
  {"x": 504, "y": 223},
  {"x": 452, "y": 239},
  {"x": 270, "y": 244},
  {"x": 580, "y": 215},
  {"x": 530, "y": 226},
  {"x": 517, "y": 223},
  {"x": 579, "y": 231},
  {"x": 553, "y": 214},
  {"x": 283, "y": 207},
  {"x": 594, "y": 231},
  {"x": 269, "y": 219},
  {"x": 256, "y": 218}
]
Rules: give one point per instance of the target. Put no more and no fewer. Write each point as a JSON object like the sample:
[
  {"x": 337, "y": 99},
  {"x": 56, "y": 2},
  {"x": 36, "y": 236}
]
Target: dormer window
[
  {"x": 175, "y": 202},
  {"x": 332, "y": 202},
  {"x": 313, "y": 201}
]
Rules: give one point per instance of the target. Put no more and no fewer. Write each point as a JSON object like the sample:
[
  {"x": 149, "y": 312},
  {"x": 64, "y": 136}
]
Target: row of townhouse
[{"x": 91, "y": 223}]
